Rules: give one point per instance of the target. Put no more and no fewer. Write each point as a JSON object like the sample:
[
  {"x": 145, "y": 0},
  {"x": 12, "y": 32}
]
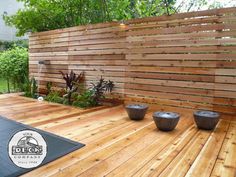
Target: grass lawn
[{"x": 3, "y": 85}]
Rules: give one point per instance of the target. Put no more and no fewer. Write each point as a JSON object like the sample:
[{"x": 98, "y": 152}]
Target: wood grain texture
[
  {"x": 183, "y": 60},
  {"x": 117, "y": 146}
]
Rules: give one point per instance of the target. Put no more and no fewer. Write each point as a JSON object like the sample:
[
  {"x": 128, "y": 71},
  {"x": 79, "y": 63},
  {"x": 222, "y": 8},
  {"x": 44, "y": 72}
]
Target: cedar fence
[{"x": 185, "y": 60}]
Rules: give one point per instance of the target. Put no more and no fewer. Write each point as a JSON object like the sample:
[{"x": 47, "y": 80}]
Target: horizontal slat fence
[{"x": 184, "y": 60}]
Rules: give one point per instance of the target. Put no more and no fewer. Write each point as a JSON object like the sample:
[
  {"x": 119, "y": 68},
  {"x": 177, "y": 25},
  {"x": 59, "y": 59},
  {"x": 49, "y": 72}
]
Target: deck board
[{"x": 117, "y": 146}]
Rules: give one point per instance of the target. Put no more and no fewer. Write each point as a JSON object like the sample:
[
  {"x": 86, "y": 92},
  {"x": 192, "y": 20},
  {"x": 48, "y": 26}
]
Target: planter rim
[
  {"x": 136, "y": 106},
  {"x": 207, "y": 114},
  {"x": 166, "y": 115}
]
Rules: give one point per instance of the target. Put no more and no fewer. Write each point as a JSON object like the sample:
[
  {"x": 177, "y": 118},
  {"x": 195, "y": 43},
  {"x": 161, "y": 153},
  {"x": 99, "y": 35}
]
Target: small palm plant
[{"x": 100, "y": 88}]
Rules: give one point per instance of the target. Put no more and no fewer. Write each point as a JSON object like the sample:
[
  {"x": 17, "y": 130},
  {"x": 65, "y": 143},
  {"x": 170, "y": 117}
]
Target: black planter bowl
[
  {"x": 166, "y": 121},
  {"x": 136, "y": 111},
  {"x": 206, "y": 120}
]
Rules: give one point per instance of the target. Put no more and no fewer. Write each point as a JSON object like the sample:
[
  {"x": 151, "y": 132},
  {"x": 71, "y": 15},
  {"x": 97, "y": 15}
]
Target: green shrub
[
  {"x": 93, "y": 96},
  {"x": 30, "y": 87},
  {"x": 5, "y": 45},
  {"x": 88, "y": 98},
  {"x": 49, "y": 87},
  {"x": 14, "y": 66},
  {"x": 55, "y": 97},
  {"x": 84, "y": 100}
]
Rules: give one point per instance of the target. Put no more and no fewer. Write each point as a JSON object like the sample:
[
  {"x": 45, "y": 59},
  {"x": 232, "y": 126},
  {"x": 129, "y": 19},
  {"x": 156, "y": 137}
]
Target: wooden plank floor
[{"x": 117, "y": 146}]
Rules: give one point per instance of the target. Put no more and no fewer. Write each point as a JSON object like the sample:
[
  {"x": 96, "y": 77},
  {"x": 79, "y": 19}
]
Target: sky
[{"x": 224, "y": 3}]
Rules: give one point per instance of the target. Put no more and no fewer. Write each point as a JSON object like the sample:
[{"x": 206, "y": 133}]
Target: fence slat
[{"x": 183, "y": 60}]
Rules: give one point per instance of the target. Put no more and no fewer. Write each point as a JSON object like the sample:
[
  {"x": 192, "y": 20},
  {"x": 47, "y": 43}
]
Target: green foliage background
[
  {"x": 5, "y": 45},
  {"x": 14, "y": 66},
  {"x": 43, "y": 15}
]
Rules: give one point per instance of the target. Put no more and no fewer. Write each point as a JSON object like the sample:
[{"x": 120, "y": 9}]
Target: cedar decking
[{"x": 117, "y": 146}]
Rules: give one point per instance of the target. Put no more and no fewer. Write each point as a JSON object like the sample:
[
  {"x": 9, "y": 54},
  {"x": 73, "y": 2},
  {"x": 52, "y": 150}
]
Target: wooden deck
[{"x": 117, "y": 146}]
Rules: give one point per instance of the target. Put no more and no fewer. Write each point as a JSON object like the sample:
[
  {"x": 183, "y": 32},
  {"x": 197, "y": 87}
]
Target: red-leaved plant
[{"x": 73, "y": 82}]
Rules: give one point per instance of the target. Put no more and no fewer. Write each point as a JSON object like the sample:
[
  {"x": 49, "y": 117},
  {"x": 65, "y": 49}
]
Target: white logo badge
[{"x": 27, "y": 149}]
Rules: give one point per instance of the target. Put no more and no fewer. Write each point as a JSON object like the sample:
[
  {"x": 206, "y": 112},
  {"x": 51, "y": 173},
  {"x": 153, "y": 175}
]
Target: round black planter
[
  {"x": 206, "y": 120},
  {"x": 166, "y": 121},
  {"x": 136, "y": 111}
]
